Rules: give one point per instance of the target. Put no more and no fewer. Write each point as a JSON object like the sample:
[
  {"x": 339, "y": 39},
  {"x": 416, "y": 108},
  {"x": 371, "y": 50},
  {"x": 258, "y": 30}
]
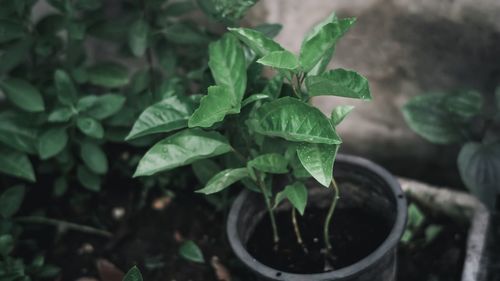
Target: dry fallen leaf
[
  {"x": 221, "y": 271},
  {"x": 108, "y": 271}
]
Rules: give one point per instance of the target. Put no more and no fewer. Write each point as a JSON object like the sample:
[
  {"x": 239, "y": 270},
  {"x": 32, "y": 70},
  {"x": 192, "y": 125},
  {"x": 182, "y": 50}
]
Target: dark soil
[{"x": 354, "y": 235}]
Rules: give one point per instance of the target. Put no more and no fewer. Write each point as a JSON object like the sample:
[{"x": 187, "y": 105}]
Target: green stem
[
  {"x": 296, "y": 228},
  {"x": 269, "y": 207},
  {"x": 64, "y": 225},
  {"x": 326, "y": 226}
]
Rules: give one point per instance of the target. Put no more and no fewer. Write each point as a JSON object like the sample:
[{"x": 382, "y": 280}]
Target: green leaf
[
  {"x": 256, "y": 41},
  {"x": 94, "y": 158},
  {"x": 219, "y": 102},
  {"x": 167, "y": 115},
  {"x": 10, "y": 30},
  {"x": 21, "y": 93},
  {"x": 270, "y": 163},
  {"x": 133, "y": 275},
  {"x": 108, "y": 74},
  {"x": 415, "y": 220},
  {"x": 293, "y": 120},
  {"x": 228, "y": 67},
  {"x": 465, "y": 104},
  {"x": 254, "y": 98},
  {"x": 16, "y": 164},
  {"x": 182, "y": 149},
  {"x": 15, "y": 133},
  {"x": 321, "y": 42},
  {"x": 274, "y": 86},
  {"x": 339, "y": 113},
  {"x": 90, "y": 127},
  {"x": 138, "y": 37},
  {"x": 51, "y": 142},
  {"x": 6, "y": 245},
  {"x": 61, "y": 114},
  {"x": 104, "y": 106},
  {"x": 181, "y": 33},
  {"x": 296, "y": 194},
  {"x": 87, "y": 179},
  {"x": 432, "y": 232},
  {"x": 426, "y": 115},
  {"x": 280, "y": 60},
  {"x": 11, "y": 200},
  {"x": 339, "y": 82},
  {"x": 66, "y": 91},
  {"x": 223, "y": 180},
  {"x": 14, "y": 54},
  {"x": 269, "y": 30},
  {"x": 479, "y": 166},
  {"x": 318, "y": 160},
  {"x": 191, "y": 252}
]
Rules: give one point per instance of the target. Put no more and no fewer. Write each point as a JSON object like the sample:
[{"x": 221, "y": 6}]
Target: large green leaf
[
  {"x": 321, "y": 41},
  {"x": 293, "y": 120},
  {"x": 339, "y": 82},
  {"x": 256, "y": 41},
  {"x": 94, "y": 157},
  {"x": 339, "y": 113},
  {"x": 280, "y": 60},
  {"x": 219, "y": 102},
  {"x": 167, "y": 115},
  {"x": 428, "y": 117},
  {"x": 10, "y": 30},
  {"x": 182, "y": 149},
  {"x": 223, "y": 180},
  {"x": 51, "y": 142},
  {"x": 270, "y": 163},
  {"x": 66, "y": 91},
  {"x": 23, "y": 94},
  {"x": 228, "y": 67},
  {"x": 296, "y": 194},
  {"x": 108, "y": 74},
  {"x": 190, "y": 251},
  {"x": 479, "y": 166},
  {"x": 15, "y": 133},
  {"x": 90, "y": 127},
  {"x": 138, "y": 37},
  {"x": 318, "y": 160},
  {"x": 133, "y": 275},
  {"x": 16, "y": 164},
  {"x": 465, "y": 104},
  {"x": 104, "y": 106},
  {"x": 11, "y": 200}
]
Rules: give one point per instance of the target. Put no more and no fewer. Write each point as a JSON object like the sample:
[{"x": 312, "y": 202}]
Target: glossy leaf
[
  {"x": 293, "y": 120},
  {"x": 191, "y": 252},
  {"x": 318, "y": 160},
  {"x": 90, "y": 127},
  {"x": 339, "y": 82},
  {"x": 182, "y": 149},
  {"x": 339, "y": 113},
  {"x": 66, "y": 91},
  {"x": 254, "y": 98},
  {"x": 427, "y": 116},
  {"x": 108, "y": 74},
  {"x": 138, "y": 37},
  {"x": 465, "y": 104},
  {"x": 51, "y": 142},
  {"x": 16, "y": 164},
  {"x": 219, "y": 102},
  {"x": 280, "y": 60},
  {"x": 479, "y": 166},
  {"x": 223, "y": 179},
  {"x": 167, "y": 115},
  {"x": 94, "y": 157},
  {"x": 256, "y": 40},
  {"x": 321, "y": 42},
  {"x": 270, "y": 163},
  {"x": 297, "y": 195},
  {"x": 10, "y": 30},
  {"x": 105, "y": 106},
  {"x": 228, "y": 67},
  {"x": 133, "y": 275},
  {"x": 88, "y": 179},
  {"x": 11, "y": 200},
  {"x": 24, "y": 95},
  {"x": 269, "y": 30}
]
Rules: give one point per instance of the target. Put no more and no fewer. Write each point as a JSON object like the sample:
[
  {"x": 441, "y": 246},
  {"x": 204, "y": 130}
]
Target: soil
[{"x": 348, "y": 233}]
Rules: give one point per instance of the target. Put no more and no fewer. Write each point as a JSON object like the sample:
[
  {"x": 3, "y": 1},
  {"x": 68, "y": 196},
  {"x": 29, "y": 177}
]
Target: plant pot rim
[{"x": 344, "y": 273}]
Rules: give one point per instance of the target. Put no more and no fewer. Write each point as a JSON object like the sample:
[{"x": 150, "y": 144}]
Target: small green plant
[
  {"x": 256, "y": 128},
  {"x": 463, "y": 118}
]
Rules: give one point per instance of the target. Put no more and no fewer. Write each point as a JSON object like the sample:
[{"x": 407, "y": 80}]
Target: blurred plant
[
  {"x": 463, "y": 118},
  {"x": 134, "y": 274}
]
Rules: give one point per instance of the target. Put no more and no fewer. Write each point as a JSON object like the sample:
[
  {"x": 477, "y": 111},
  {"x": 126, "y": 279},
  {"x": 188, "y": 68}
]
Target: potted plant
[{"x": 266, "y": 135}]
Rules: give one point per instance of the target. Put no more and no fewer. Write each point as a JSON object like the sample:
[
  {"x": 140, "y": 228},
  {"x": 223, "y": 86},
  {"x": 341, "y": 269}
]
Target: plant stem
[
  {"x": 297, "y": 230},
  {"x": 269, "y": 207},
  {"x": 64, "y": 225},
  {"x": 326, "y": 226}
]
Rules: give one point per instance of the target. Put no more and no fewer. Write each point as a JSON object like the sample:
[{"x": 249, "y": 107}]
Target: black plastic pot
[{"x": 372, "y": 188}]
